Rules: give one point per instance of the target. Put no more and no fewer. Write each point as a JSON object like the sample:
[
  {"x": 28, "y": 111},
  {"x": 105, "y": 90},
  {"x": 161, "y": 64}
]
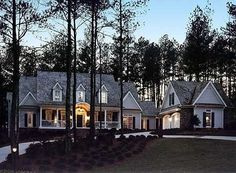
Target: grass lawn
[{"x": 179, "y": 155}]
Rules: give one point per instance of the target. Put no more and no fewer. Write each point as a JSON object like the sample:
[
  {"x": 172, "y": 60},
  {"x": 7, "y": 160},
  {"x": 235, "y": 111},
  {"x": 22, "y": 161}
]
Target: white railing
[
  {"x": 52, "y": 123},
  {"x": 109, "y": 124}
]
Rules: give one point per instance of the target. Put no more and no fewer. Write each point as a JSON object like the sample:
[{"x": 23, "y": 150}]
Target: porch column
[
  {"x": 40, "y": 117},
  {"x": 105, "y": 118},
  {"x": 57, "y": 118}
]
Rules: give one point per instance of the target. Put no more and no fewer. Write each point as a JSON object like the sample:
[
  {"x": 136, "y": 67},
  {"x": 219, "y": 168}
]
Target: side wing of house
[
  {"x": 209, "y": 107},
  {"x": 132, "y": 112},
  {"x": 29, "y": 112},
  {"x": 169, "y": 110}
]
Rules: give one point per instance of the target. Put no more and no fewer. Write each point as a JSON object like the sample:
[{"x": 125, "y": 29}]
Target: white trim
[
  {"x": 218, "y": 93},
  {"x": 40, "y": 117},
  {"x": 105, "y": 118},
  {"x": 57, "y": 84},
  {"x": 103, "y": 86},
  {"x": 29, "y": 93},
  {"x": 133, "y": 99},
  {"x": 80, "y": 86},
  {"x": 204, "y": 91}
]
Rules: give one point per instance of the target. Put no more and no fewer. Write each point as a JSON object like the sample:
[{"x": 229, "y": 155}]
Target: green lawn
[{"x": 179, "y": 155}]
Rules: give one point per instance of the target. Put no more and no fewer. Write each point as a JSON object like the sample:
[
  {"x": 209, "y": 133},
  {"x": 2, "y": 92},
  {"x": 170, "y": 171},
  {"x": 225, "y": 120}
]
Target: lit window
[
  {"x": 103, "y": 95},
  {"x": 127, "y": 122}
]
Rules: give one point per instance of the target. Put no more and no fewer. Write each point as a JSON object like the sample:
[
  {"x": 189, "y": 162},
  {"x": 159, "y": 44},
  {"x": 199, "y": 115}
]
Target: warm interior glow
[{"x": 55, "y": 120}]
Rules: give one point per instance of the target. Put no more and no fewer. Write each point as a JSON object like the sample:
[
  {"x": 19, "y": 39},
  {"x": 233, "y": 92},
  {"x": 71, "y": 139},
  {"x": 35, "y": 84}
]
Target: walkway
[
  {"x": 4, "y": 151},
  {"x": 227, "y": 138}
]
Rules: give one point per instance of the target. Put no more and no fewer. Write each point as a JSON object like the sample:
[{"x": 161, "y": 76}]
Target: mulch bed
[{"x": 85, "y": 154}]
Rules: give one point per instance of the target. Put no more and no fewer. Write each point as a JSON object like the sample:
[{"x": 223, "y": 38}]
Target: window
[
  {"x": 80, "y": 93},
  {"x": 103, "y": 95},
  {"x": 128, "y": 122},
  {"x": 57, "y": 93},
  {"x": 171, "y": 99},
  {"x": 208, "y": 119},
  {"x": 115, "y": 116},
  {"x": 81, "y": 96},
  {"x": 30, "y": 119}
]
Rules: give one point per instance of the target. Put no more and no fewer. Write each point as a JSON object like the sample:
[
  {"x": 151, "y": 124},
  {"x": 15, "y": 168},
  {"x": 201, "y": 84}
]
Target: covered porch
[
  {"x": 55, "y": 117},
  {"x": 171, "y": 119}
]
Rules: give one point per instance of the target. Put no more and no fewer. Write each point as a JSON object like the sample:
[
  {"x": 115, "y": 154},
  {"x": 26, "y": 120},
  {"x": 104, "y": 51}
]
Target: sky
[
  {"x": 168, "y": 17},
  {"x": 172, "y": 17}
]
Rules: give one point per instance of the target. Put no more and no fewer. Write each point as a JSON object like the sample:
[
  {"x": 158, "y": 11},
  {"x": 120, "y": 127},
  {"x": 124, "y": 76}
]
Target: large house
[
  {"x": 42, "y": 103},
  {"x": 183, "y": 99}
]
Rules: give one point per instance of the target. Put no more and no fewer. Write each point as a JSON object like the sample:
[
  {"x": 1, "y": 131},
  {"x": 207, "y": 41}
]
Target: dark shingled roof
[
  {"x": 188, "y": 92},
  {"x": 41, "y": 87},
  {"x": 26, "y": 85},
  {"x": 149, "y": 108}
]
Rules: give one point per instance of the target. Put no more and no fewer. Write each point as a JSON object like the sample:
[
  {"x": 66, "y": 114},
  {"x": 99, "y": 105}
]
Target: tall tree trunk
[
  {"x": 15, "y": 98},
  {"x": 92, "y": 75},
  {"x": 100, "y": 86},
  {"x": 68, "y": 81},
  {"x": 74, "y": 71},
  {"x": 121, "y": 68}
]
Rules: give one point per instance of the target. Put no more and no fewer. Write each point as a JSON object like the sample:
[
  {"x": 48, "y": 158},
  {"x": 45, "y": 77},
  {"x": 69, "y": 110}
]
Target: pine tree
[{"x": 197, "y": 45}]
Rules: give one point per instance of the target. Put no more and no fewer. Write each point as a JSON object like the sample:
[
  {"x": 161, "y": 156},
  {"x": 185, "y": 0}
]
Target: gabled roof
[
  {"x": 41, "y": 87},
  {"x": 26, "y": 85},
  {"x": 29, "y": 99},
  {"x": 133, "y": 101},
  {"x": 80, "y": 86},
  {"x": 188, "y": 92},
  {"x": 149, "y": 108},
  {"x": 104, "y": 88},
  {"x": 57, "y": 85}
]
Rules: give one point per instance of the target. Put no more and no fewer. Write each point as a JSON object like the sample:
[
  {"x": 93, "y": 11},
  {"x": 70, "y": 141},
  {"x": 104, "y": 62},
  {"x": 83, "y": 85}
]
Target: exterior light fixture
[{"x": 14, "y": 149}]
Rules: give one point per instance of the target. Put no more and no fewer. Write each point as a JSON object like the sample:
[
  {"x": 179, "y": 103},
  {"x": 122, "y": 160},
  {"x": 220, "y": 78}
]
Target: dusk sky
[
  {"x": 167, "y": 17},
  {"x": 172, "y": 16}
]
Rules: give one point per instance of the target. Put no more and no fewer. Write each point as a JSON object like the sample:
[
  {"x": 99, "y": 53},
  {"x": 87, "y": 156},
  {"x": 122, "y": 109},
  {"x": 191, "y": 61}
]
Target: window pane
[
  {"x": 115, "y": 116},
  {"x": 109, "y": 116}
]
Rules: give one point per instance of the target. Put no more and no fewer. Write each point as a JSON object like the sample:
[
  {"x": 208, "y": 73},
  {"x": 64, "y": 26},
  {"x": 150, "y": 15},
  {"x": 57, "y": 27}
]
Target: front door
[
  {"x": 79, "y": 120},
  {"x": 30, "y": 120}
]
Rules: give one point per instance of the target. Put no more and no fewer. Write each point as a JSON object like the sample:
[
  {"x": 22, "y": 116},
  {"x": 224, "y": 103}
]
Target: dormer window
[
  {"x": 103, "y": 93},
  {"x": 171, "y": 99},
  {"x": 80, "y": 94},
  {"x": 57, "y": 93}
]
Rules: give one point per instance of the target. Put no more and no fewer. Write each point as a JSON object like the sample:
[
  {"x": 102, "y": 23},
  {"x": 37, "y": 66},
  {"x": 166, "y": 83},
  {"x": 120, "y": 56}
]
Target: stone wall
[{"x": 185, "y": 118}]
